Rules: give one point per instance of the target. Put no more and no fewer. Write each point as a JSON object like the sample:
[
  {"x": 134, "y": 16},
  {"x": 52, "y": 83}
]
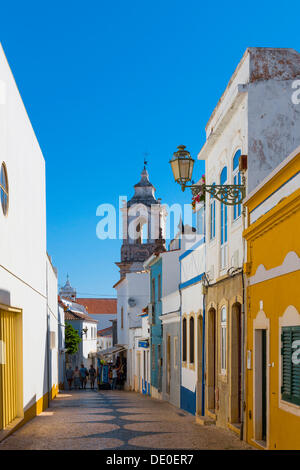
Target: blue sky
[{"x": 104, "y": 82}]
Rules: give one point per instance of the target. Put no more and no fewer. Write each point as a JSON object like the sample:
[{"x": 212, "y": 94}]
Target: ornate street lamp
[{"x": 182, "y": 167}]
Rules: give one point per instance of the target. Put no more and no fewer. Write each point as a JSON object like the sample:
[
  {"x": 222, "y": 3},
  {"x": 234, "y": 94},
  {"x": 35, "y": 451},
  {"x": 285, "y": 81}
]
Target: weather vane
[{"x": 146, "y": 154}]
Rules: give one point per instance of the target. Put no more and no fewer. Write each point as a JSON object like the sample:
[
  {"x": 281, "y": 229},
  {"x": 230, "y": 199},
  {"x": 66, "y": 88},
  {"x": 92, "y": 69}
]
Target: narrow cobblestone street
[{"x": 116, "y": 420}]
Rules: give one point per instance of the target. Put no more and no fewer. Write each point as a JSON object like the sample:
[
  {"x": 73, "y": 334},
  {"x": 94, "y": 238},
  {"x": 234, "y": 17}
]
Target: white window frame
[
  {"x": 212, "y": 215},
  {"x": 223, "y": 333},
  {"x": 236, "y": 177}
]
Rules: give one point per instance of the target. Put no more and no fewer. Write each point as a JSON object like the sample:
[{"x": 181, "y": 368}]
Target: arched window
[
  {"x": 223, "y": 339},
  {"x": 145, "y": 233},
  {"x": 237, "y": 209},
  {"x": 184, "y": 340},
  {"x": 138, "y": 238},
  {"x": 122, "y": 317},
  {"x": 192, "y": 341},
  {"x": 4, "y": 189},
  {"x": 212, "y": 204},
  {"x": 223, "y": 180}
]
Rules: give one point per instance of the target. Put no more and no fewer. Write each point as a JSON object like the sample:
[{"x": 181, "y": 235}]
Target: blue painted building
[
  {"x": 192, "y": 269},
  {"x": 154, "y": 264}
]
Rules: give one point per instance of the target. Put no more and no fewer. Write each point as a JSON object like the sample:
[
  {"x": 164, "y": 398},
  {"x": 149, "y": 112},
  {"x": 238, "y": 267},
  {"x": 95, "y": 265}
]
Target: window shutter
[{"x": 290, "y": 388}]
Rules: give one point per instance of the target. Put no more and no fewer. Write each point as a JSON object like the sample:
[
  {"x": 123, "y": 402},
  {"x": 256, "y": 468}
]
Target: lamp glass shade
[
  {"x": 175, "y": 169},
  {"x": 186, "y": 169},
  {"x": 182, "y": 165}
]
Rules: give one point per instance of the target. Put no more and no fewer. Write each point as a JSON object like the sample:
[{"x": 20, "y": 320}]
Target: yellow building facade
[{"x": 272, "y": 412}]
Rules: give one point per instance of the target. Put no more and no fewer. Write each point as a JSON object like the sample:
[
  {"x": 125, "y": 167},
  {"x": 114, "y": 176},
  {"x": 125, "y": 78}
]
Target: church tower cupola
[
  {"x": 67, "y": 291},
  {"x": 144, "y": 222}
]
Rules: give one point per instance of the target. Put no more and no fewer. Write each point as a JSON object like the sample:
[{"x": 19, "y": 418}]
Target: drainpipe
[
  {"x": 243, "y": 336},
  {"x": 203, "y": 359},
  {"x": 180, "y": 336},
  {"x": 203, "y": 321},
  {"x": 47, "y": 338}
]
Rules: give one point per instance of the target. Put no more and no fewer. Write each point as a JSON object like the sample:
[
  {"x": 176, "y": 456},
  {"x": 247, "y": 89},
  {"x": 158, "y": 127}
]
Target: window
[
  {"x": 153, "y": 291},
  {"x": 184, "y": 340},
  {"x": 122, "y": 317},
  {"x": 192, "y": 340},
  {"x": 290, "y": 360},
  {"x": 237, "y": 209},
  {"x": 175, "y": 352},
  {"x": 145, "y": 233},
  {"x": 138, "y": 235},
  {"x": 153, "y": 301},
  {"x": 159, "y": 287},
  {"x": 200, "y": 221},
  {"x": 153, "y": 356},
  {"x": 223, "y": 180},
  {"x": 223, "y": 339},
  {"x": 212, "y": 204},
  {"x": 4, "y": 189}
]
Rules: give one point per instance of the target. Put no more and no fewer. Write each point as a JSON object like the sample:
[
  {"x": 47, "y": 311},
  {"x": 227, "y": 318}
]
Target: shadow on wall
[{"x": 4, "y": 297}]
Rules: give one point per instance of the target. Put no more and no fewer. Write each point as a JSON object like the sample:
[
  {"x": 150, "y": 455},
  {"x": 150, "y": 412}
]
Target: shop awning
[{"x": 110, "y": 351}]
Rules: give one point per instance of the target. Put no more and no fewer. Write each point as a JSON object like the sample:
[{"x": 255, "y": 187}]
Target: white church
[{"x": 144, "y": 222}]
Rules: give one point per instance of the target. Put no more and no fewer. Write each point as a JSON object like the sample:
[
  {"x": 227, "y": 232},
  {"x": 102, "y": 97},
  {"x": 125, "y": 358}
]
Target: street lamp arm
[{"x": 228, "y": 194}]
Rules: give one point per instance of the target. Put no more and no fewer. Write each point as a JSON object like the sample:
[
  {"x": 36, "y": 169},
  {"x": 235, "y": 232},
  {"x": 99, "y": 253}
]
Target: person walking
[
  {"x": 70, "y": 375},
  {"x": 92, "y": 374},
  {"x": 114, "y": 378},
  {"x": 83, "y": 375},
  {"x": 76, "y": 378}
]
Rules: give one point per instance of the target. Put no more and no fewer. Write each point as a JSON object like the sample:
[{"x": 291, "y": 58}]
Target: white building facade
[
  {"x": 192, "y": 269},
  {"x": 86, "y": 328},
  {"x": 28, "y": 283},
  {"x": 255, "y": 118},
  {"x": 133, "y": 295}
]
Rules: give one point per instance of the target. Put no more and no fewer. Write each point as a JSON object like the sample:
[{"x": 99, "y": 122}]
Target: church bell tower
[{"x": 144, "y": 225}]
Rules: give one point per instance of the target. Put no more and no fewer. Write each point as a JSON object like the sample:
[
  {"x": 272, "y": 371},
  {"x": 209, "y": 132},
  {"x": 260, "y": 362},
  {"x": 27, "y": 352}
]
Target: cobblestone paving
[{"x": 117, "y": 420}]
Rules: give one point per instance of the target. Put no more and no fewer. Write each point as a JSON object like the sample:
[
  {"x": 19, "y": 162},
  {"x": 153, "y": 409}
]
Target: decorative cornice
[{"x": 290, "y": 264}]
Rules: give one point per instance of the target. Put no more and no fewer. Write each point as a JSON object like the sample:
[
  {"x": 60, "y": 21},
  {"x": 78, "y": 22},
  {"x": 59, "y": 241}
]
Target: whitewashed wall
[
  {"x": 23, "y": 233},
  {"x": 192, "y": 301},
  {"x": 256, "y": 115},
  {"x": 53, "y": 323}
]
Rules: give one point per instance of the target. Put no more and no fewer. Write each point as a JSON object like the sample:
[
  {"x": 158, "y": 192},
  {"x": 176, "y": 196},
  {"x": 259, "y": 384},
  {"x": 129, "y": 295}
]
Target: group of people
[
  {"x": 81, "y": 376},
  {"x": 117, "y": 374}
]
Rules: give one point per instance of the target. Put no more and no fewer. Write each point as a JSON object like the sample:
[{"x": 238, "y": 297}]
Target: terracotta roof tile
[
  {"x": 99, "y": 306},
  {"x": 105, "y": 331},
  {"x": 69, "y": 315}
]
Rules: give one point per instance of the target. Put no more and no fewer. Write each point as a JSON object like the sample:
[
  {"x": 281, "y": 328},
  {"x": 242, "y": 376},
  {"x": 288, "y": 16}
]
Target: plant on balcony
[{"x": 200, "y": 196}]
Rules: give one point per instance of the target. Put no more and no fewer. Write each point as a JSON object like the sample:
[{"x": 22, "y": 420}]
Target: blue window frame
[
  {"x": 212, "y": 217},
  {"x": 237, "y": 210},
  {"x": 223, "y": 180}
]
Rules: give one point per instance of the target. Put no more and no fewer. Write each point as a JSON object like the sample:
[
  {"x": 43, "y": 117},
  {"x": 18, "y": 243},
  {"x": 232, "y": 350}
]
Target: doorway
[
  {"x": 168, "y": 364},
  {"x": 11, "y": 374},
  {"x": 211, "y": 360},
  {"x": 260, "y": 386},
  {"x": 236, "y": 364},
  {"x": 199, "y": 364}
]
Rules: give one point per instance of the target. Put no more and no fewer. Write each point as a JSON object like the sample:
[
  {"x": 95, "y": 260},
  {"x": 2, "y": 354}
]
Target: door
[
  {"x": 8, "y": 368},
  {"x": 138, "y": 372},
  {"x": 200, "y": 405},
  {"x": 211, "y": 360},
  {"x": 159, "y": 366},
  {"x": 168, "y": 364},
  {"x": 235, "y": 364},
  {"x": 260, "y": 385},
  {"x": 264, "y": 384}
]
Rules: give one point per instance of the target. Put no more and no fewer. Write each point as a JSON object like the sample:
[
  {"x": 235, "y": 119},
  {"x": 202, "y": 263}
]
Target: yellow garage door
[{"x": 8, "y": 367}]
